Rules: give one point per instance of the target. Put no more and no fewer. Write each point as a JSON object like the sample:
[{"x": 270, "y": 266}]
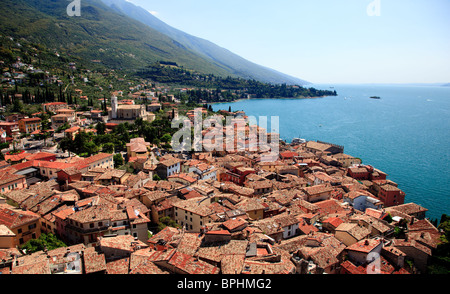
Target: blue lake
[{"x": 406, "y": 133}]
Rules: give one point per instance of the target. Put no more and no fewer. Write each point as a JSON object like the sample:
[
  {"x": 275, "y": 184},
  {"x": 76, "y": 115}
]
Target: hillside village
[
  {"x": 144, "y": 209},
  {"x": 314, "y": 209}
]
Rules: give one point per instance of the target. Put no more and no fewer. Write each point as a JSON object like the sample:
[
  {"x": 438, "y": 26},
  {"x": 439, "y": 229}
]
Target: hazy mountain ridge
[{"x": 216, "y": 54}]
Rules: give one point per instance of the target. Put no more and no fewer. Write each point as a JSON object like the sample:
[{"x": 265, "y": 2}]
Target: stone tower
[{"x": 114, "y": 106}]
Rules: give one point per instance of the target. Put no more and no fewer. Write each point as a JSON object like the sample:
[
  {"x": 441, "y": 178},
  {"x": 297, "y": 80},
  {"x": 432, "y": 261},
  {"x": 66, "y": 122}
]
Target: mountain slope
[
  {"x": 218, "y": 55},
  {"x": 98, "y": 34}
]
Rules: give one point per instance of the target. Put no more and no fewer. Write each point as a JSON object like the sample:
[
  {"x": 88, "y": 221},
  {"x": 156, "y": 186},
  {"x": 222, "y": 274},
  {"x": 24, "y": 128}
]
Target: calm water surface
[{"x": 406, "y": 133}]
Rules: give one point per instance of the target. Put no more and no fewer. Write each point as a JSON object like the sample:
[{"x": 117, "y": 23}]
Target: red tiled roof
[
  {"x": 232, "y": 224},
  {"x": 379, "y": 214},
  {"x": 364, "y": 246},
  {"x": 219, "y": 232},
  {"x": 93, "y": 262},
  {"x": 18, "y": 167},
  {"x": 63, "y": 214},
  {"x": 16, "y": 157},
  {"x": 306, "y": 228},
  {"x": 166, "y": 234},
  {"x": 190, "y": 265},
  {"x": 7, "y": 177},
  {"x": 317, "y": 189},
  {"x": 13, "y": 219},
  {"x": 72, "y": 129},
  {"x": 40, "y": 156},
  {"x": 95, "y": 158},
  {"x": 30, "y": 119},
  {"x": 350, "y": 268},
  {"x": 55, "y": 103},
  {"x": 288, "y": 154},
  {"x": 118, "y": 267},
  {"x": 52, "y": 164},
  {"x": 183, "y": 176},
  {"x": 329, "y": 206},
  {"x": 334, "y": 221}
]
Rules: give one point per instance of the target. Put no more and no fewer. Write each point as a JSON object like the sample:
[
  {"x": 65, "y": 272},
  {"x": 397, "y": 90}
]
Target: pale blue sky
[{"x": 324, "y": 41}]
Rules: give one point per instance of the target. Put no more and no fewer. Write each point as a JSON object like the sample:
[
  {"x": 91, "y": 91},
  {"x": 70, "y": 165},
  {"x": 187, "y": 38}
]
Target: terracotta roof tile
[
  {"x": 190, "y": 265},
  {"x": 94, "y": 261},
  {"x": 13, "y": 218}
]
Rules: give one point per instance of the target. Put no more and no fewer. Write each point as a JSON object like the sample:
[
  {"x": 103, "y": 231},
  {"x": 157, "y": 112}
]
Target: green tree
[
  {"x": 166, "y": 138},
  {"x": 167, "y": 222},
  {"x": 17, "y": 106},
  {"x": 108, "y": 148},
  {"x": 45, "y": 128},
  {"x": 118, "y": 160},
  {"x": 90, "y": 148},
  {"x": 101, "y": 128},
  {"x": 66, "y": 144},
  {"x": 440, "y": 260},
  {"x": 45, "y": 241},
  {"x": 64, "y": 127}
]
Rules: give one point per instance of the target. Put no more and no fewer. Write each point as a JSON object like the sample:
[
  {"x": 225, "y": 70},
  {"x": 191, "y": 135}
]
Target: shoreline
[{"x": 279, "y": 98}]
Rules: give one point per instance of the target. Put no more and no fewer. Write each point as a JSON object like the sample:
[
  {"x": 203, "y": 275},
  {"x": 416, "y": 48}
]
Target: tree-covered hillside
[
  {"x": 172, "y": 74},
  {"x": 99, "y": 36}
]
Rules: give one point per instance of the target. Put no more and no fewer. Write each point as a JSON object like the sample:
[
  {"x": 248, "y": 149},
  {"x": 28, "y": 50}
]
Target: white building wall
[
  {"x": 175, "y": 169},
  {"x": 290, "y": 231}
]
